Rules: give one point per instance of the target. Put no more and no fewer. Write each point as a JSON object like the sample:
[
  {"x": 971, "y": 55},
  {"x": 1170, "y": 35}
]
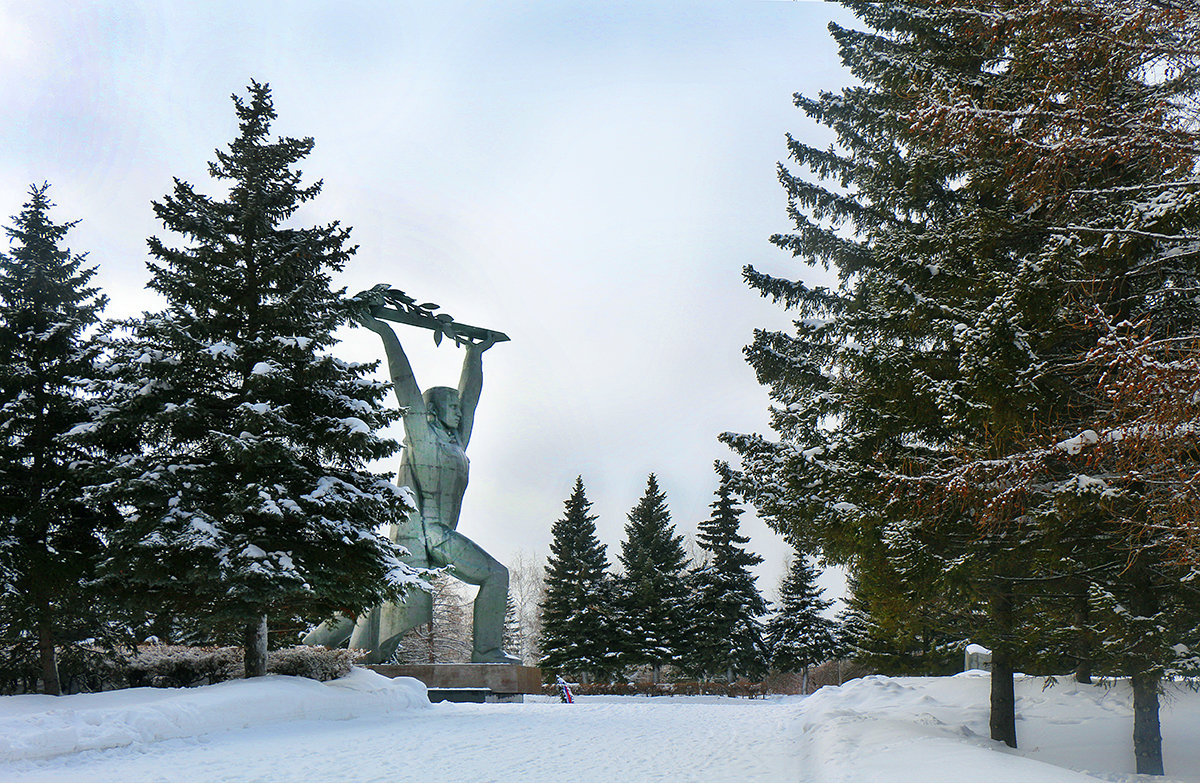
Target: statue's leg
[
  {"x": 474, "y": 566},
  {"x": 331, "y": 633},
  {"x": 380, "y": 630}
]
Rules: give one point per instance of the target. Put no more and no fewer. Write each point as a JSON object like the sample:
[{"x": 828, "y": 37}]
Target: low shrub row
[{"x": 89, "y": 669}]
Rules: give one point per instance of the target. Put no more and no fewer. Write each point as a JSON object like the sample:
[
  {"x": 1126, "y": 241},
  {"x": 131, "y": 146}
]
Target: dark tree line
[
  {"x": 193, "y": 471},
  {"x": 702, "y": 619}
]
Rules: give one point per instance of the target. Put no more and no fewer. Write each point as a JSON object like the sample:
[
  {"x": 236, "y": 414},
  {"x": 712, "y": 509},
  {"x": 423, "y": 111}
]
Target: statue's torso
[{"x": 435, "y": 466}]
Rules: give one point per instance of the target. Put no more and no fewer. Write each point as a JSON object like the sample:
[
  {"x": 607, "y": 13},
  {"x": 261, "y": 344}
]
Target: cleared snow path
[{"x": 625, "y": 740}]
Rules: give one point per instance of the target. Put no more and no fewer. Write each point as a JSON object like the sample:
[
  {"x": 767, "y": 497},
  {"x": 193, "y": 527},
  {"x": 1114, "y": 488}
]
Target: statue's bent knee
[{"x": 331, "y": 633}]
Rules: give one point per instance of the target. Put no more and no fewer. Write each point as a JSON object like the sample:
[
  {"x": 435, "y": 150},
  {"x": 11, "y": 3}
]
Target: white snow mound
[
  {"x": 38, "y": 727},
  {"x": 935, "y": 730}
]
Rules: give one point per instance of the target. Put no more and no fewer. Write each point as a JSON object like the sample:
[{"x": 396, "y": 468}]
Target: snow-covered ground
[
  {"x": 368, "y": 728},
  {"x": 935, "y": 729}
]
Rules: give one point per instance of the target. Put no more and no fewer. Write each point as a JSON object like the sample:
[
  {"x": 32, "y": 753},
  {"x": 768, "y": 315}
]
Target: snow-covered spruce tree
[
  {"x": 891, "y": 628},
  {"x": 652, "y": 591},
  {"x": 578, "y": 633},
  {"x": 1092, "y": 112},
  {"x": 908, "y": 396},
  {"x": 1137, "y": 476},
  {"x": 929, "y": 350},
  {"x": 725, "y": 607},
  {"x": 853, "y": 624},
  {"x": 50, "y": 538},
  {"x": 798, "y": 635},
  {"x": 246, "y": 443}
]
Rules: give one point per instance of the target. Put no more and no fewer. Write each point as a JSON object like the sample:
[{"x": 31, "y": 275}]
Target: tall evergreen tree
[
  {"x": 725, "y": 607},
  {"x": 247, "y": 444},
  {"x": 907, "y": 396},
  {"x": 924, "y": 352},
  {"x": 1090, "y": 109},
  {"x": 798, "y": 634},
  {"x": 578, "y": 632},
  {"x": 652, "y": 591},
  {"x": 50, "y": 538}
]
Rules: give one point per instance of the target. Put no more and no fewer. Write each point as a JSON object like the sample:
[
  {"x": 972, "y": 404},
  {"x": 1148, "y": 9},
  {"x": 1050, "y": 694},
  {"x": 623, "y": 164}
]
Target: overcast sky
[{"x": 587, "y": 177}]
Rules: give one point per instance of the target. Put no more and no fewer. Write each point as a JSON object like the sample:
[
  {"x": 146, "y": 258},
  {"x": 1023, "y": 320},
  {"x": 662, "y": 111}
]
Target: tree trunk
[
  {"x": 254, "y": 642},
  {"x": 1002, "y": 720},
  {"x": 1147, "y": 741},
  {"x": 1083, "y": 635},
  {"x": 48, "y": 655},
  {"x": 655, "y": 671}
]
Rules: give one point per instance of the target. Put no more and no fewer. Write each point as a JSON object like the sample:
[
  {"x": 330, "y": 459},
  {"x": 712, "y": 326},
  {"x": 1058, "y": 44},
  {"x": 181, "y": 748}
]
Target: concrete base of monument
[{"x": 470, "y": 682}]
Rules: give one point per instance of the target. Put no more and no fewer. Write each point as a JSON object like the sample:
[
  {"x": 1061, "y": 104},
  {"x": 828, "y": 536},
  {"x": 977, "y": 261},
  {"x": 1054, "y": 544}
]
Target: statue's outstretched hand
[
  {"x": 484, "y": 344},
  {"x": 364, "y": 318},
  {"x": 362, "y": 305}
]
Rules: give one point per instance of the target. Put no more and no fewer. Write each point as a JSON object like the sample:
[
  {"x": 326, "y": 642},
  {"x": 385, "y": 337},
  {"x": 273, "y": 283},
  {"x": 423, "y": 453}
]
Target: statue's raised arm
[
  {"x": 404, "y": 380},
  {"x": 470, "y": 385}
]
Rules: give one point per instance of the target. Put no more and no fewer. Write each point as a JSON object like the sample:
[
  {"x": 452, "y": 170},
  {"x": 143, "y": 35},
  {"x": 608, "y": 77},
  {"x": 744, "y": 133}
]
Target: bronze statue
[{"x": 434, "y": 465}]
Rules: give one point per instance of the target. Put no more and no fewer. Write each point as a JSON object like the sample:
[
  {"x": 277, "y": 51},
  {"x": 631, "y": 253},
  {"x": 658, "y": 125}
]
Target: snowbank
[
  {"x": 935, "y": 730},
  {"x": 40, "y": 727}
]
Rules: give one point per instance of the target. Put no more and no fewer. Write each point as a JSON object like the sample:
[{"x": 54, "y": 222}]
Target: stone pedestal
[{"x": 478, "y": 682}]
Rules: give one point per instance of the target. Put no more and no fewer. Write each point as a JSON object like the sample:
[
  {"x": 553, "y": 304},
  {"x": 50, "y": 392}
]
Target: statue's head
[{"x": 444, "y": 404}]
